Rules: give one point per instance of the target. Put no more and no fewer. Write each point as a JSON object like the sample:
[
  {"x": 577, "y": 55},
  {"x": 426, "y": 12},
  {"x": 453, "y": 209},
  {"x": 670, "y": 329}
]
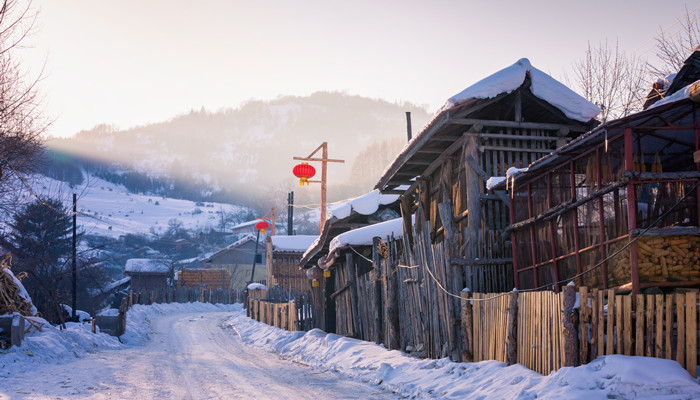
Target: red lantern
[
  {"x": 261, "y": 226},
  {"x": 304, "y": 172},
  {"x": 314, "y": 273}
]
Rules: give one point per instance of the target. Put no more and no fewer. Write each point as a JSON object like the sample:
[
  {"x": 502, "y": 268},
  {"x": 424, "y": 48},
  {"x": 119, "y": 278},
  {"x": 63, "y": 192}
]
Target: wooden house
[
  {"x": 149, "y": 274},
  {"x": 283, "y": 255},
  {"x": 361, "y": 211},
  {"x": 617, "y": 207},
  {"x": 237, "y": 259},
  {"x": 508, "y": 119}
]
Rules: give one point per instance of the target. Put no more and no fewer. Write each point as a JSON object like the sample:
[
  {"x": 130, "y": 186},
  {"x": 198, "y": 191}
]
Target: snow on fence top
[
  {"x": 296, "y": 243},
  {"x": 147, "y": 265},
  {"x": 363, "y": 236},
  {"x": 542, "y": 85},
  {"x": 366, "y": 204}
]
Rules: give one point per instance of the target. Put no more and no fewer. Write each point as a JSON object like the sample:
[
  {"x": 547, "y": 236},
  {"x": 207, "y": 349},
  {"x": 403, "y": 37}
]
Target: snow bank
[
  {"x": 606, "y": 377},
  {"x": 542, "y": 85}
]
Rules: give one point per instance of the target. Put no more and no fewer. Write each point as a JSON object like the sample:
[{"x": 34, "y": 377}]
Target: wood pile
[
  {"x": 669, "y": 258},
  {"x": 209, "y": 278},
  {"x": 13, "y": 297}
]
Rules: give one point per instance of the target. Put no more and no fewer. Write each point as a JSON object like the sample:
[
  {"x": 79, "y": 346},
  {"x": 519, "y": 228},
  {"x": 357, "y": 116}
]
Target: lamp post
[
  {"x": 260, "y": 226},
  {"x": 304, "y": 171}
]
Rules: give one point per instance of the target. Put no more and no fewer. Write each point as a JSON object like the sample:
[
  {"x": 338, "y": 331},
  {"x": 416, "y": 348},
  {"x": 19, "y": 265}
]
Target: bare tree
[
  {"x": 22, "y": 121},
  {"x": 607, "y": 78},
  {"x": 675, "y": 44}
]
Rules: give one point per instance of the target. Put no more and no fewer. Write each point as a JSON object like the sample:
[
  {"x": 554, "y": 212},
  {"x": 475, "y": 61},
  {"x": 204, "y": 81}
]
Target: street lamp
[{"x": 260, "y": 226}]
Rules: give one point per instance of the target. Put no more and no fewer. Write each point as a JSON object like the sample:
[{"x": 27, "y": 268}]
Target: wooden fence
[
  {"x": 541, "y": 331},
  {"x": 186, "y": 295},
  {"x": 292, "y": 311}
]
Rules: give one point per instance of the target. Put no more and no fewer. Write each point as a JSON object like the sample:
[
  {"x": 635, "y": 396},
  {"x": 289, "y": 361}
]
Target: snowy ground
[
  {"x": 195, "y": 351},
  {"x": 108, "y": 209}
]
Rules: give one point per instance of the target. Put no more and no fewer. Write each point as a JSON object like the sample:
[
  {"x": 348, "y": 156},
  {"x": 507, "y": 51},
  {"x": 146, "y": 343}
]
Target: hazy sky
[{"x": 131, "y": 62}]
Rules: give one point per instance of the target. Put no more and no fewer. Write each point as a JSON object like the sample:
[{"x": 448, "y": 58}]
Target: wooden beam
[
  {"x": 515, "y": 137},
  {"x": 696, "y": 157},
  {"x": 515, "y": 149},
  {"x": 475, "y": 166},
  {"x": 660, "y": 176},
  {"x": 521, "y": 125}
]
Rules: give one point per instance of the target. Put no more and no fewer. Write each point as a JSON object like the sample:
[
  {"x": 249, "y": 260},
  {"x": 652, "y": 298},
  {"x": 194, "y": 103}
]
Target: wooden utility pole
[{"x": 324, "y": 166}]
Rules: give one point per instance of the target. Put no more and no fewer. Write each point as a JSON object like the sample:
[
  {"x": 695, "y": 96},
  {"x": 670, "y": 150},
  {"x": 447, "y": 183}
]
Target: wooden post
[
  {"x": 467, "y": 328},
  {"x": 376, "y": 280},
  {"x": 350, "y": 264},
  {"x": 473, "y": 205},
  {"x": 570, "y": 331},
  {"x": 391, "y": 289},
  {"x": 512, "y": 338}
]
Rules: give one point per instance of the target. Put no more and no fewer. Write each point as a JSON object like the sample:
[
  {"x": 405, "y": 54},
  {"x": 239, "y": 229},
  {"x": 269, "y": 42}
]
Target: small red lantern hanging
[
  {"x": 304, "y": 172},
  {"x": 314, "y": 273},
  {"x": 261, "y": 226}
]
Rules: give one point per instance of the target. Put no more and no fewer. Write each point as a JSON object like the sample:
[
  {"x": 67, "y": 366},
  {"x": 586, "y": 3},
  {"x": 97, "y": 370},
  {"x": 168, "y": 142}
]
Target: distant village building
[
  {"x": 283, "y": 255},
  {"x": 149, "y": 274},
  {"x": 204, "y": 278},
  {"x": 237, "y": 259}
]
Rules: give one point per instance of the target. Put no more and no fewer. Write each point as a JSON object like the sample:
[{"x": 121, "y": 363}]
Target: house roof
[
  {"x": 147, "y": 266},
  {"x": 364, "y": 236},
  {"x": 245, "y": 239},
  {"x": 370, "y": 208},
  {"x": 294, "y": 244},
  {"x": 544, "y": 103},
  {"x": 675, "y": 109}
]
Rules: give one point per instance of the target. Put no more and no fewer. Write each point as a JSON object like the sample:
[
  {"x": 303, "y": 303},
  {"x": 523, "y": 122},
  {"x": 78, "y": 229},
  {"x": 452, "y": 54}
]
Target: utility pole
[
  {"x": 75, "y": 272},
  {"x": 324, "y": 167},
  {"x": 290, "y": 213}
]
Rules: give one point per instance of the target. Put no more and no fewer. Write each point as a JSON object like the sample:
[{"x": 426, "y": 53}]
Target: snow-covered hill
[{"x": 106, "y": 209}]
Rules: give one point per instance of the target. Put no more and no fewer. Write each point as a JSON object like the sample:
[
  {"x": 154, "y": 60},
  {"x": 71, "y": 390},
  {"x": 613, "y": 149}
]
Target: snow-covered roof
[
  {"x": 366, "y": 204},
  {"x": 542, "y": 86},
  {"x": 296, "y": 243},
  {"x": 681, "y": 94},
  {"x": 363, "y": 236},
  {"x": 147, "y": 265},
  {"x": 246, "y": 224}
]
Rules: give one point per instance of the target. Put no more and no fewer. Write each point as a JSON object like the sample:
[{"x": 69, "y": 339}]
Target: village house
[
  {"x": 238, "y": 259},
  {"x": 618, "y": 207},
  {"x": 283, "y": 255},
  {"x": 149, "y": 274}
]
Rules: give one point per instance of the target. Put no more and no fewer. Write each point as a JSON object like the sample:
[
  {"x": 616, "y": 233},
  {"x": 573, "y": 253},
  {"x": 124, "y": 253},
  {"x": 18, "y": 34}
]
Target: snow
[
  {"x": 257, "y": 286},
  {"x": 681, "y": 94},
  {"x": 116, "y": 284},
  {"x": 494, "y": 181},
  {"x": 147, "y": 265},
  {"x": 542, "y": 86},
  {"x": 197, "y": 350},
  {"x": 295, "y": 243},
  {"x": 82, "y": 315},
  {"x": 366, "y": 204},
  {"x": 107, "y": 209},
  {"x": 363, "y": 236}
]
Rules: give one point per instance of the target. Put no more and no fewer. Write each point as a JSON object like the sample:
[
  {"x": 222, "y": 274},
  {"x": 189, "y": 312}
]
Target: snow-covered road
[{"x": 189, "y": 356}]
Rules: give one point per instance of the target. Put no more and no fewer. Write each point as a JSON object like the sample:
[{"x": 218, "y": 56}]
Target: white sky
[{"x": 132, "y": 62}]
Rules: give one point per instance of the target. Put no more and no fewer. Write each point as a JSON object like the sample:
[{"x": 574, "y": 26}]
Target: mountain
[{"x": 244, "y": 154}]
